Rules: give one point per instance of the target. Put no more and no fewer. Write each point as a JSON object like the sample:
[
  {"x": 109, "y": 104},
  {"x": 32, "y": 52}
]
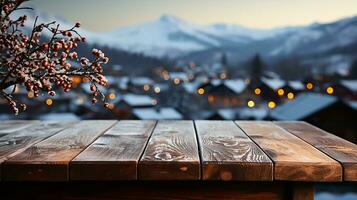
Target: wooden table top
[{"x": 173, "y": 150}]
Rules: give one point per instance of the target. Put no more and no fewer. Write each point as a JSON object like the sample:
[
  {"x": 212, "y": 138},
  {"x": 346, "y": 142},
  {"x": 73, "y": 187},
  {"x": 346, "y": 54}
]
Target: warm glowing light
[
  {"x": 290, "y": 95},
  {"x": 146, "y": 87},
  {"x": 329, "y": 90},
  {"x": 201, "y": 91},
  {"x": 111, "y": 106},
  {"x": 49, "y": 102},
  {"x": 76, "y": 80},
  {"x": 176, "y": 81},
  {"x": 30, "y": 95},
  {"x": 80, "y": 100},
  {"x": 309, "y": 86},
  {"x": 157, "y": 90},
  {"x": 210, "y": 98},
  {"x": 251, "y": 104},
  {"x": 281, "y": 92},
  {"x": 257, "y": 91},
  {"x": 112, "y": 96},
  {"x": 271, "y": 104},
  {"x": 223, "y": 76},
  {"x": 85, "y": 80}
]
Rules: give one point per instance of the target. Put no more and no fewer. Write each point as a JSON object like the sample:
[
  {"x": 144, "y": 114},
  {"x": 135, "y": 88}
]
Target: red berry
[
  {"x": 94, "y": 101},
  {"x": 78, "y": 25}
]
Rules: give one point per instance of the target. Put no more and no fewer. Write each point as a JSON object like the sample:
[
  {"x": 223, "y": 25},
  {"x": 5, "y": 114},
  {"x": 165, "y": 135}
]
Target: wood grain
[
  {"x": 49, "y": 159},
  {"x": 337, "y": 148},
  {"x": 294, "y": 159},
  {"x": 115, "y": 154},
  {"x": 19, "y": 139},
  {"x": 9, "y": 126},
  {"x": 229, "y": 154},
  {"x": 172, "y": 153}
]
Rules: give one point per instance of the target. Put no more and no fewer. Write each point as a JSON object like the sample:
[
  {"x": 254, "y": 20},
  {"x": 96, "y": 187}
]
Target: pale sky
[{"x": 106, "y": 15}]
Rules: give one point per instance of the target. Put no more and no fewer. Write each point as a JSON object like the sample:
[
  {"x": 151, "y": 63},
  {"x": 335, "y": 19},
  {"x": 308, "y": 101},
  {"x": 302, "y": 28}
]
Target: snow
[
  {"x": 332, "y": 196},
  {"x": 59, "y": 117},
  {"x": 296, "y": 85},
  {"x": 227, "y": 114},
  {"x": 350, "y": 84},
  {"x": 237, "y": 85},
  {"x": 157, "y": 113},
  {"x": 135, "y": 100},
  {"x": 141, "y": 80},
  {"x": 180, "y": 75},
  {"x": 302, "y": 106},
  {"x": 274, "y": 83},
  {"x": 253, "y": 113}
]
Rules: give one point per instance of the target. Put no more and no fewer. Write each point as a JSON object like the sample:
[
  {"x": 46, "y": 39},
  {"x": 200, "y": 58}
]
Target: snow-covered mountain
[{"x": 170, "y": 36}]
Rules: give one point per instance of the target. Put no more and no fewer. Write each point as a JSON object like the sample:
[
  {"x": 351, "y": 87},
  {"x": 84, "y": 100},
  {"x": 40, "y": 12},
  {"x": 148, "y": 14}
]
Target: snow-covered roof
[
  {"x": 350, "y": 84},
  {"x": 296, "y": 85},
  {"x": 157, "y": 114},
  {"x": 180, "y": 75},
  {"x": 274, "y": 83},
  {"x": 141, "y": 80},
  {"x": 192, "y": 87},
  {"x": 352, "y": 104},
  {"x": 237, "y": 85},
  {"x": 302, "y": 106},
  {"x": 136, "y": 100},
  {"x": 253, "y": 113},
  {"x": 227, "y": 113},
  {"x": 59, "y": 117}
]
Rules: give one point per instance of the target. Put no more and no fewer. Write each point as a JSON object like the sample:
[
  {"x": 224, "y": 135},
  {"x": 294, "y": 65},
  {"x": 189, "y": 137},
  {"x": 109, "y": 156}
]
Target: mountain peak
[{"x": 169, "y": 19}]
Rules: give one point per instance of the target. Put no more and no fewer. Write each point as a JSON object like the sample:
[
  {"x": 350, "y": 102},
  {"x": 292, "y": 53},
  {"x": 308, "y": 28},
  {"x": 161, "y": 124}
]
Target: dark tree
[
  {"x": 256, "y": 70},
  {"x": 224, "y": 60},
  {"x": 353, "y": 70}
]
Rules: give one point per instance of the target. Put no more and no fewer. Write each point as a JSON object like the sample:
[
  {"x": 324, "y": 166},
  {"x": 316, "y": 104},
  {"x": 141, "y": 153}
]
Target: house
[
  {"x": 324, "y": 111},
  {"x": 226, "y": 93},
  {"x": 165, "y": 113},
  {"x": 347, "y": 89},
  {"x": 269, "y": 88},
  {"x": 137, "y": 101}
]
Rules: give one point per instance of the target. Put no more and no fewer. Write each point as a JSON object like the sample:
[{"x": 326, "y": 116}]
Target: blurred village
[{"x": 206, "y": 93}]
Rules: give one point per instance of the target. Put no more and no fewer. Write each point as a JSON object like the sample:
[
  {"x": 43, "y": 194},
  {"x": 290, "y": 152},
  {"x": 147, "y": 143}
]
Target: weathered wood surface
[
  {"x": 294, "y": 159},
  {"x": 229, "y": 154},
  {"x": 114, "y": 155},
  {"x": 7, "y": 127},
  {"x": 337, "y": 148},
  {"x": 172, "y": 153},
  {"x": 49, "y": 159},
  {"x": 25, "y": 135}
]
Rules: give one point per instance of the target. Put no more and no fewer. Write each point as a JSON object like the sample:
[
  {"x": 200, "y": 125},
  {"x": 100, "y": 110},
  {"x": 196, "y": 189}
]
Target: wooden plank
[
  {"x": 49, "y": 159},
  {"x": 172, "y": 153},
  {"x": 29, "y": 134},
  {"x": 227, "y": 153},
  {"x": 9, "y": 126},
  {"x": 115, "y": 154},
  {"x": 294, "y": 159},
  {"x": 337, "y": 148}
]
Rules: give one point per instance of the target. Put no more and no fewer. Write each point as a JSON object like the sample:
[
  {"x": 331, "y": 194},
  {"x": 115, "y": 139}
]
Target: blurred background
[{"x": 227, "y": 60}]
